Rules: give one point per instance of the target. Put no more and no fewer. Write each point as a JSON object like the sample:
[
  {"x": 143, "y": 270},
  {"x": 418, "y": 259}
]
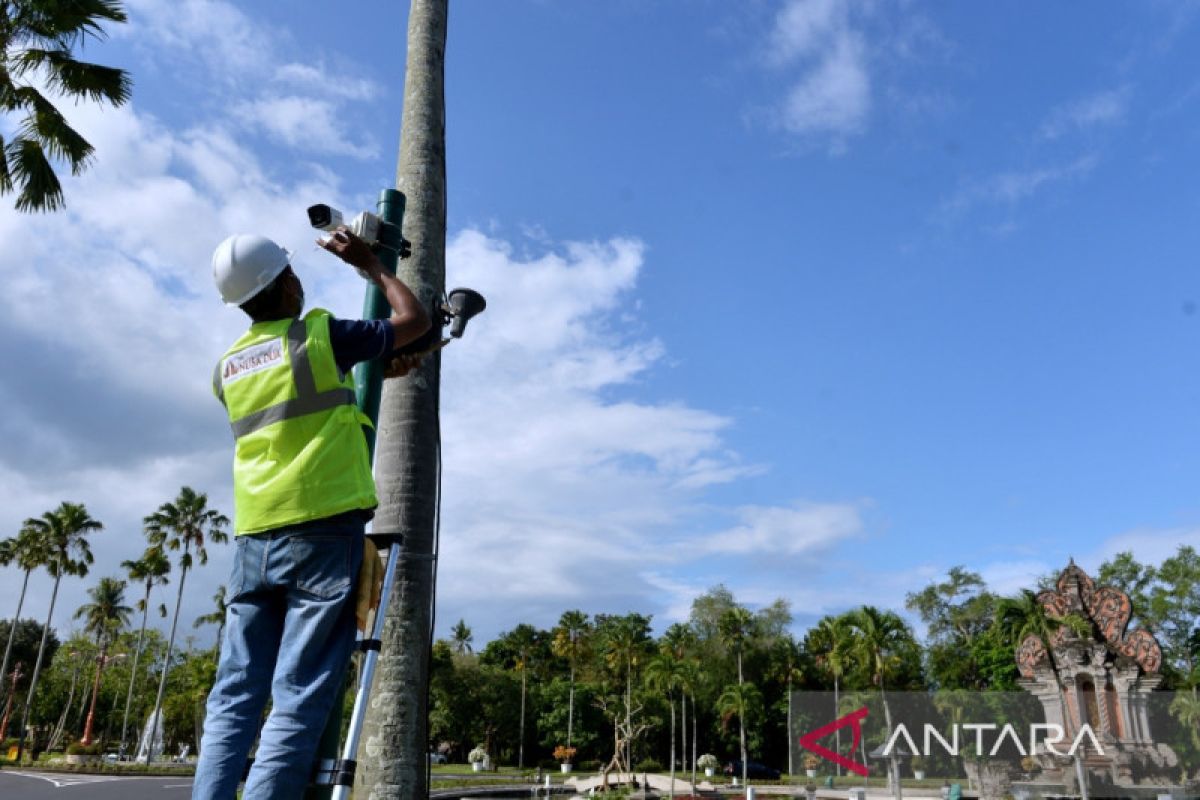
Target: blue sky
[{"x": 809, "y": 297}]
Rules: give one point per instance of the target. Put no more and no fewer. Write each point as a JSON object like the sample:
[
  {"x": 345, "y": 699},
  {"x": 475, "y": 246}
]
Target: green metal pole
[{"x": 368, "y": 385}]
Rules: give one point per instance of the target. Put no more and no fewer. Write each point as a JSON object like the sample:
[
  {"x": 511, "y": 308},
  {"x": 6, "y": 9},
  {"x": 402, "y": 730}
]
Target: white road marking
[{"x": 63, "y": 780}]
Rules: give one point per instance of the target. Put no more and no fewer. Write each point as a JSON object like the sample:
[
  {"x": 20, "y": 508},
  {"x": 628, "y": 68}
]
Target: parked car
[
  {"x": 437, "y": 758},
  {"x": 753, "y": 770}
]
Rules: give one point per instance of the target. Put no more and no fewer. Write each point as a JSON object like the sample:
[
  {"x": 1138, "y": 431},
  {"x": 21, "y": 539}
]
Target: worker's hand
[
  {"x": 401, "y": 365},
  {"x": 349, "y": 248}
]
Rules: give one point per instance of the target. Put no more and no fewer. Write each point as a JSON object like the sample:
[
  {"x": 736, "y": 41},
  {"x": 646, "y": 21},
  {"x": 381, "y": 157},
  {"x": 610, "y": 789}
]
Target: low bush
[{"x": 648, "y": 765}]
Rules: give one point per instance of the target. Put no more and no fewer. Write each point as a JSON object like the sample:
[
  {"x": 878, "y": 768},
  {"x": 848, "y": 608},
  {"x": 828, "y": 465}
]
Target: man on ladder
[{"x": 303, "y": 492}]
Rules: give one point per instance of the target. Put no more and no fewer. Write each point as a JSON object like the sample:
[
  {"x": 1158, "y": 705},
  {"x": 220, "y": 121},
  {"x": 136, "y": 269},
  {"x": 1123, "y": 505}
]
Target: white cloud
[
  {"x": 834, "y": 97},
  {"x": 306, "y": 124},
  {"x": 831, "y": 97},
  {"x": 805, "y": 26},
  {"x": 1102, "y": 108},
  {"x": 1013, "y": 187},
  {"x": 773, "y": 532},
  {"x": 249, "y": 78}
]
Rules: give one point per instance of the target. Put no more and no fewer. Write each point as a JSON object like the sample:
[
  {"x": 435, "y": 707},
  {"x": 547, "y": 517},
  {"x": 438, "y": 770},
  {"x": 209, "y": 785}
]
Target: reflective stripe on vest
[{"x": 307, "y": 400}]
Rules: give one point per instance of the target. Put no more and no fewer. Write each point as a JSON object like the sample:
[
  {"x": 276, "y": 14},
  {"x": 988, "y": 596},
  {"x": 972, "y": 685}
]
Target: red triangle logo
[{"x": 854, "y": 720}]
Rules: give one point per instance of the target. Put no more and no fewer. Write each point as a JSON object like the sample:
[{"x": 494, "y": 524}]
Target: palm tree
[
  {"x": 738, "y": 700},
  {"x": 29, "y": 551},
  {"x": 736, "y": 626},
  {"x": 664, "y": 674},
  {"x": 187, "y": 523},
  {"x": 461, "y": 637},
  {"x": 65, "y": 531},
  {"x": 103, "y": 618},
  {"x": 524, "y": 643},
  {"x": 216, "y": 617},
  {"x": 880, "y": 637},
  {"x": 569, "y": 643},
  {"x": 150, "y": 570},
  {"x": 36, "y": 39},
  {"x": 678, "y": 640},
  {"x": 833, "y": 643},
  {"x": 406, "y": 465},
  {"x": 787, "y": 669}
]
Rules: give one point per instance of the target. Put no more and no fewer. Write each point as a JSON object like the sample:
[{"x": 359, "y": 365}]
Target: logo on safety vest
[{"x": 251, "y": 360}]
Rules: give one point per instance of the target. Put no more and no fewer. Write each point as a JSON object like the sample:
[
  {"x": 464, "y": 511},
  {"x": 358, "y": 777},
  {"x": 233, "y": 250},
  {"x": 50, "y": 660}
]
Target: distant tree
[
  {"x": 150, "y": 570},
  {"x": 37, "y": 38},
  {"x": 462, "y": 637},
  {"x": 736, "y": 627},
  {"x": 186, "y": 524},
  {"x": 570, "y": 641},
  {"x": 1175, "y": 608},
  {"x": 665, "y": 676},
  {"x": 103, "y": 618},
  {"x": 65, "y": 530},
  {"x": 215, "y": 617},
  {"x": 29, "y": 550}
]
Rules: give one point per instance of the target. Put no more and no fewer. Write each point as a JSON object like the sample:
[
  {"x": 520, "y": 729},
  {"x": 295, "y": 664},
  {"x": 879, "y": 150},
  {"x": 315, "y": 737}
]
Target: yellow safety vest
[{"x": 301, "y": 454}]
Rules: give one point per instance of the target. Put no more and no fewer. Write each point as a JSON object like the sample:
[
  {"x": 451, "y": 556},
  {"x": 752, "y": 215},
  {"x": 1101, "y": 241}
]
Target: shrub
[
  {"x": 564, "y": 754},
  {"x": 80, "y": 749},
  {"x": 648, "y": 765},
  {"x": 707, "y": 761},
  {"x": 478, "y": 755}
]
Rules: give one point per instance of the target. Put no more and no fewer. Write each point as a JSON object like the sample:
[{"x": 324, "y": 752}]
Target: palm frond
[
  {"x": 63, "y": 22},
  {"x": 31, "y": 170},
  {"x": 50, "y": 128},
  {"x": 76, "y": 78}
]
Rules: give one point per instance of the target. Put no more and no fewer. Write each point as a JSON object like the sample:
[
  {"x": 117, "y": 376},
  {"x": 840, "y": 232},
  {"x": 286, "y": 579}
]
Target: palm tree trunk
[
  {"x": 137, "y": 655},
  {"x": 837, "y": 711},
  {"x": 37, "y": 667},
  {"x": 571, "y": 704},
  {"x": 742, "y": 722},
  {"x": 156, "y": 714},
  {"x": 62, "y": 720},
  {"x": 91, "y": 715},
  {"x": 671, "y": 791},
  {"x": 521, "y": 739},
  {"x": 694, "y": 742},
  {"x": 683, "y": 728},
  {"x": 893, "y": 767},
  {"x": 12, "y": 631},
  {"x": 392, "y": 761}
]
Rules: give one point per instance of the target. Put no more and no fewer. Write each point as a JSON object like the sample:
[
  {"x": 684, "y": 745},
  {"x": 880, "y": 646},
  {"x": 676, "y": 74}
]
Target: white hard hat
[{"x": 245, "y": 264}]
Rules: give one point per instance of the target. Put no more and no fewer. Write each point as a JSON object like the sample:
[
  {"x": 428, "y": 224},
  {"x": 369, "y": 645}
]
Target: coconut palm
[
  {"x": 216, "y": 617},
  {"x": 524, "y": 641},
  {"x": 736, "y": 627},
  {"x": 679, "y": 640},
  {"x": 664, "y": 675},
  {"x": 150, "y": 570},
  {"x": 65, "y": 531},
  {"x": 29, "y": 551},
  {"x": 36, "y": 40},
  {"x": 103, "y": 618},
  {"x": 569, "y": 643},
  {"x": 461, "y": 637},
  {"x": 186, "y": 524},
  {"x": 833, "y": 642},
  {"x": 739, "y": 700},
  {"x": 880, "y": 636}
]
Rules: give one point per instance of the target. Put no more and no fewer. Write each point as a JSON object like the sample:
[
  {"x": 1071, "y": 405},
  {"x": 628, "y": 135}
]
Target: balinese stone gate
[{"x": 1104, "y": 680}]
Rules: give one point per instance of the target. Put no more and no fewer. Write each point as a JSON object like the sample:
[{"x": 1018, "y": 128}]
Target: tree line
[
  {"x": 95, "y": 690},
  {"x": 596, "y": 690},
  {"x": 603, "y": 692}
]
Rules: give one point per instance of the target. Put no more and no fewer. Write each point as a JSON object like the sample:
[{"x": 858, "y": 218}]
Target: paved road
[{"x": 33, "y": 785}]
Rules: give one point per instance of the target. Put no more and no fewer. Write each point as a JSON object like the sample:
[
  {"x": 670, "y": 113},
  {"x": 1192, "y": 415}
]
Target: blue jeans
[{"x": 289, "y": 633}]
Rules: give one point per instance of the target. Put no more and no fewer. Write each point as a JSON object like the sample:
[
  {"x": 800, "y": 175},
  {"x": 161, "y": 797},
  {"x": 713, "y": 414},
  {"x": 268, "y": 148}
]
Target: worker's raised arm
[{"x": 409, "y": 319}]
